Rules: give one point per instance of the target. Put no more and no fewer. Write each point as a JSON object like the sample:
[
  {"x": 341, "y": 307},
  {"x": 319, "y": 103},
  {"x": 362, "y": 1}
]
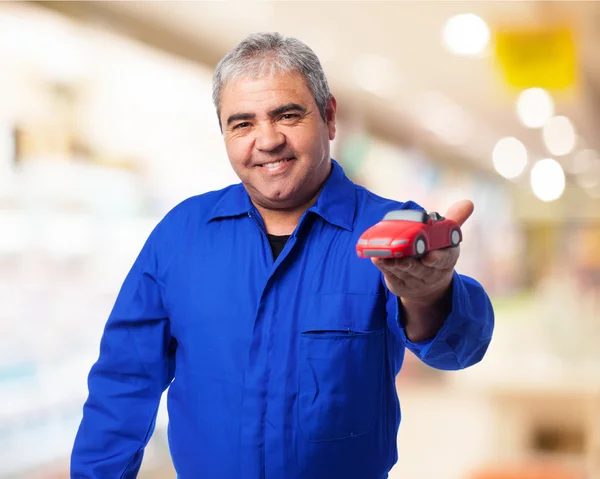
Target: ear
[{"x": 330, "y": 112}]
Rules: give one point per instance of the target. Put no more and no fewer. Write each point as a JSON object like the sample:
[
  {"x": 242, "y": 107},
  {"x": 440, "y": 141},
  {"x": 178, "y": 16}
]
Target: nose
[{"x": 268, "y": 138}]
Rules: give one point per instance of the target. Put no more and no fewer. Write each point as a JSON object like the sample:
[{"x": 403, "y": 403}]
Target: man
[{"x": 279, "y": 344}]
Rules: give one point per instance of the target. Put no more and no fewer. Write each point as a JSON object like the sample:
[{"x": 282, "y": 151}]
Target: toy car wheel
[
  {"x": 455, "y": 237},
  {"x": 420, "y": 246}
]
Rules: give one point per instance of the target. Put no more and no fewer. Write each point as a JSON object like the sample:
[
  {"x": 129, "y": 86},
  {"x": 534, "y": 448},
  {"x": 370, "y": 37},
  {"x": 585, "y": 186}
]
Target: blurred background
[{"x": 106, "y": 123}]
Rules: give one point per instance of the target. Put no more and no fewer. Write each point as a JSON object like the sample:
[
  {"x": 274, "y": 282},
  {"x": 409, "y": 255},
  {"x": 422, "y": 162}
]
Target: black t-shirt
[{"x": 277, "y": 244}]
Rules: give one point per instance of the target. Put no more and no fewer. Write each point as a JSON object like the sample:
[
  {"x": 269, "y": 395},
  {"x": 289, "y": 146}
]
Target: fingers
[
  {"x": 443, "y": 259},
  {"x": 404, "y": 268},
  {"x": 386, "y": 266},
  {"x": 440, "y": 260},
  {"x": 460, "y": 211}
]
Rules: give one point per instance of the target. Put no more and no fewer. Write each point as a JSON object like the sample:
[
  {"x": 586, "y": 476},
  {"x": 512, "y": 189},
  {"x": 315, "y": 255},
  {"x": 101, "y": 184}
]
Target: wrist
[
  {"x": 431, "y": 299},
  {"x": 424, "y": 317}
]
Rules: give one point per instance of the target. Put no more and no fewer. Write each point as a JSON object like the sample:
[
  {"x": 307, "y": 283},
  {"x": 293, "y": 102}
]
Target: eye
[
  {"x": 244, "y": 124},
  {"x": 289, "y": 116}
]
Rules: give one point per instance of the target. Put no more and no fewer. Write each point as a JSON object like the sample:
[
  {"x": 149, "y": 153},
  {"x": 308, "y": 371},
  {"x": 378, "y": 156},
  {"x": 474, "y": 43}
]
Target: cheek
[
  {"x": 238, "y": 151},
  {"x": 312, "y": 141},
  {"x": 303, "y": 144}
]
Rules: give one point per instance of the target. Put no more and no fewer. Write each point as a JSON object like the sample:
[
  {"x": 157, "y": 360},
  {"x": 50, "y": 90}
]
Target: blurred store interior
[{"x": 106, "y": 123}]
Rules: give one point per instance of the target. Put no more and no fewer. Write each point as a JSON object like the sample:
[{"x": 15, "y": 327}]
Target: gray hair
[{"x": 267, "y": 53}]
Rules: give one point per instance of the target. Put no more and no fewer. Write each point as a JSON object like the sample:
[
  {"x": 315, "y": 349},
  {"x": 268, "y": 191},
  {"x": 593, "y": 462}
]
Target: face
[{"x": 276, "y": 139}]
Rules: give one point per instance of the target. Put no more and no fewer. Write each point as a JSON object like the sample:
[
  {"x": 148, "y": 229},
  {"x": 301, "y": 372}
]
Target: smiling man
[
  {"x": 279, "y": 344},
  {"x": 278, "y": 143}
]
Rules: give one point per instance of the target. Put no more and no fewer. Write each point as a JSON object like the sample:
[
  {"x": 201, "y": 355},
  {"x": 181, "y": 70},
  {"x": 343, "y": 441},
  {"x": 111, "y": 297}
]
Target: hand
[{"x": 424, "y": 281}]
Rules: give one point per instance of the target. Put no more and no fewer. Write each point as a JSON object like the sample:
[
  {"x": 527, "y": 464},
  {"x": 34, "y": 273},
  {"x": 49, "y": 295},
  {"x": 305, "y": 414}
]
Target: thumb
[{"x": 460, "y": 211}]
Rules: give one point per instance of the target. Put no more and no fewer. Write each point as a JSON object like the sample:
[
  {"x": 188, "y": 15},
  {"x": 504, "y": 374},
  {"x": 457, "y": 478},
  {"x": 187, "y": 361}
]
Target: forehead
[{"x": 265, "y": 91}]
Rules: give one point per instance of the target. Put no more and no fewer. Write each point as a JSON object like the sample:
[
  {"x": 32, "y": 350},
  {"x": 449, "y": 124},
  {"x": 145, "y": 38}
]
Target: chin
[
  {"x": 286, "y": 194},
  {"x": 277, "y": 199},
  {"x": 282, "y": 193},
  {"x": 280, "y": 202}
]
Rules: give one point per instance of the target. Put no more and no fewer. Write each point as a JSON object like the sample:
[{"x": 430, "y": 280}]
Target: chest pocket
[{"x": 341, "y": 366}]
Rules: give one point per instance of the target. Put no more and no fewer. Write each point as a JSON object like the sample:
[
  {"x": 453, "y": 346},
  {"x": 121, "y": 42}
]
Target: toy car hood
[{"x": 390, "y": 228}]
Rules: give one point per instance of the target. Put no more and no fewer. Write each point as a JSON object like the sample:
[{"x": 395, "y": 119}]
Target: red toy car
[{"x": 405, "y": 233}]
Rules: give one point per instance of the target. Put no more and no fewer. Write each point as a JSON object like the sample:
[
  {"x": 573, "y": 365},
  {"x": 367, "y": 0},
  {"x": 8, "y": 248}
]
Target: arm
[
  {"x": 445, "y": 318},
  {"x": 464, "y": 334},
  {"x": 135, "y": 366}
]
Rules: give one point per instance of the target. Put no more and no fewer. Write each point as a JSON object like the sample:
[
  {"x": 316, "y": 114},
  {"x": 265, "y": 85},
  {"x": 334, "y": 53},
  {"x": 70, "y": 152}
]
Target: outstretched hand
[{"x": 425, "y": 280}]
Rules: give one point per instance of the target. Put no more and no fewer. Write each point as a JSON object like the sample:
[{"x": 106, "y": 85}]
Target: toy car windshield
[{"x": 407, "y": 215}]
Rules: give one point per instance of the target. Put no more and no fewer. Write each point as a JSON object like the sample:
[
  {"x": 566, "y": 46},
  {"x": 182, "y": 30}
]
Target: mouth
[{"x": 277, "y": 163}]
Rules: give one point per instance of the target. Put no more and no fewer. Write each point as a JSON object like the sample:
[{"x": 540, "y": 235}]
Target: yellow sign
[{"x": 544, "y": 58}]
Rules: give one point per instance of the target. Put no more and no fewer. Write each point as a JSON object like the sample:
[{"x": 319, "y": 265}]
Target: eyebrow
[
  {"x": 273, "y": 113},
  {"x": 287, "y": 108}
]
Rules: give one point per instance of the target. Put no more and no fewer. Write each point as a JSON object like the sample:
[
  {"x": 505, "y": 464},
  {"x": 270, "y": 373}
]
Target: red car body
[{"x": 408, "y": 233}]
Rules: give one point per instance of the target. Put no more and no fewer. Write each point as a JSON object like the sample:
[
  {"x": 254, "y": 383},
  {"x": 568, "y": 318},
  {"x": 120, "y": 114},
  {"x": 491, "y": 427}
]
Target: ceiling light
[
  {"x": 465, "y": 34},
  {"x": 509, "y": 157},
  {"x": 535, "y": 107},
  {"x": 559, "y": 135},
  {"x": 547, "y": 179}
]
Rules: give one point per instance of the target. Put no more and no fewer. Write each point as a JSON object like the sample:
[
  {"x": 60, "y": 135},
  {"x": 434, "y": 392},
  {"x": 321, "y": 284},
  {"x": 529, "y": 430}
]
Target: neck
[{"x": 283, "y": 222}]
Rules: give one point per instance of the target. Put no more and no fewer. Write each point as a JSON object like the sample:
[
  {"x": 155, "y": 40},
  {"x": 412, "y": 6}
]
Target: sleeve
[
  {"x": 134, "y": 367},
  {"x": 463, "y": 339}
]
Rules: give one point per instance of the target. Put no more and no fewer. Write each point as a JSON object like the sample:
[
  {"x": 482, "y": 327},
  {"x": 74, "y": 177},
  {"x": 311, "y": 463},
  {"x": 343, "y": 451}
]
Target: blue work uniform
[{"x": 277, "y": 368}]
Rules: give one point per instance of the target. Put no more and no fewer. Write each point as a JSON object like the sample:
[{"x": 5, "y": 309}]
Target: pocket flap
[{"x": 343, "y": 312}]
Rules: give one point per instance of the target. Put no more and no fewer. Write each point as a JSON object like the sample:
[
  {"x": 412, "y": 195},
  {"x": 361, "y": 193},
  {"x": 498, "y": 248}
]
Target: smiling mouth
[{"x": 275, "y": 164}]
